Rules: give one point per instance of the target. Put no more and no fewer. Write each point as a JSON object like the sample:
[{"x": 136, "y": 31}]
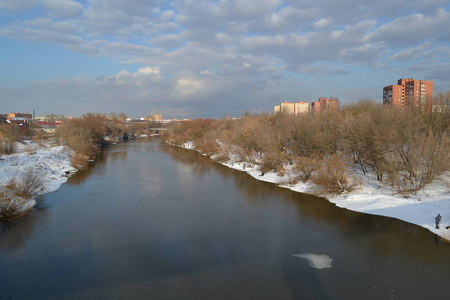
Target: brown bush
[
  {"x": 305, "y": 167},
  {"x": 79, "y": 161},
  {"x": 31, "y": 183},
  {"x": 9, "y": 134},
  {"x": 413, "y": 165},
  {"x": 333, "y": 177},
  {"x": 222, "y": 157},
  {"x": 11, "y": 206},
  {"x": 84, "y": 135},
  {"x": 208, "y": 147},
  {"x": 271, "y": 161}
]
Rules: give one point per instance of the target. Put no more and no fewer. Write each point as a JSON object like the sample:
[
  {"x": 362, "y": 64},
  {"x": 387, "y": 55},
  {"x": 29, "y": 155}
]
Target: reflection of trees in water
[
  {"x": 14, "y": 235},
  {"x": 82, "y": 175},
  {"x": 116, "y": 155},
  {"x": 199, "y": 163}
]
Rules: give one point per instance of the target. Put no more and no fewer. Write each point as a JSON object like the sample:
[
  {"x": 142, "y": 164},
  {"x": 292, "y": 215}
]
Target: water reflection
[
  {"x": 15, "y": 235},
  {"x": 386, "y": 234},
  {"x": 152, "y": 219}
]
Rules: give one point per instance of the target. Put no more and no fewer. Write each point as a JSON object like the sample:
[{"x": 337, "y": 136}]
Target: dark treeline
[{"x": 406, "y": 148}]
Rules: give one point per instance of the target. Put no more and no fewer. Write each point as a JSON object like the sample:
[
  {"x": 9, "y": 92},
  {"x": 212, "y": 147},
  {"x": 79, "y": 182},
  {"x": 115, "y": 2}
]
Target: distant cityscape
[
  {"x": 50, "y": 122},
  {"x": 406, "y": 93}
]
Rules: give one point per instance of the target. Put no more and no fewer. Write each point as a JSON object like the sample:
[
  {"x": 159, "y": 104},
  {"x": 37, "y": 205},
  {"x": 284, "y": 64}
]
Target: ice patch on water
[{"x": 317, "y": 261}]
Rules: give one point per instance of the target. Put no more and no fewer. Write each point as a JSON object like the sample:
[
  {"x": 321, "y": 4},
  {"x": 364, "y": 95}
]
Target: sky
[{"x": 196, "y": 58}]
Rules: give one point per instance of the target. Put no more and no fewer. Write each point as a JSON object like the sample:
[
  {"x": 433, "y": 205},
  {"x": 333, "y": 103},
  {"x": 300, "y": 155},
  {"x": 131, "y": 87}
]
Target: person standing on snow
[{"x": 438, "y": 220}]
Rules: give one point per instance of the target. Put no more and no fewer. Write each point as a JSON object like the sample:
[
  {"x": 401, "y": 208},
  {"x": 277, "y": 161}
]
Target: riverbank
[
  {"x": 374, "y": 197},
  {"x": 50, "y": 162}
]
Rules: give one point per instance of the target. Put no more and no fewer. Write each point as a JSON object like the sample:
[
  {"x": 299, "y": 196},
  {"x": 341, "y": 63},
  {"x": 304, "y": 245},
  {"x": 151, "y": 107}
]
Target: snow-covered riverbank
[
  {"x": 49, "y": 161},
  {"x": 377, "y": 198}
]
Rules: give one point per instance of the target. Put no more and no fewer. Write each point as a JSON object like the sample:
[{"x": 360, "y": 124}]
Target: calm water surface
[{"x": 151, "y": 221}]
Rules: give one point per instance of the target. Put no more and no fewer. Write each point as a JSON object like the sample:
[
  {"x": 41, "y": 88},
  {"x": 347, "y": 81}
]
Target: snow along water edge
[
  {"x": 376, "y": 198},
  {"x": 49, "y": 161}
]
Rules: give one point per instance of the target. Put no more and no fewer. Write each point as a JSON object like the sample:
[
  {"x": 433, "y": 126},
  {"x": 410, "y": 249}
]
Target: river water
[{"x": 152, "y": 221}]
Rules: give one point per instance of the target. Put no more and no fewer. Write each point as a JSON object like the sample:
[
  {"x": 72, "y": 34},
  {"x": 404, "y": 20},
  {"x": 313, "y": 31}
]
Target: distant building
[
  {"x": 22, "y": 120},
  {"x": 157, "y": 118},
  {"x": 409, "y": 93},
  {"x": 292, "y": 108},
  {"x": 323, "y": 104},
  {"x": 48, "y": 126},
  {"x": 18, "y": 116}
]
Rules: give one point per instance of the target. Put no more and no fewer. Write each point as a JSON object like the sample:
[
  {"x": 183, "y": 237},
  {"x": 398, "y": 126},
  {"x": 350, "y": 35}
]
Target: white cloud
[
  {"x": 187, "y": 86},
  {"x": 322, "y": 23},
  {"x": 64, "y": 8},
  {"x": 410, "y": 53},
  {"x": 415, "y": 29},
  {"x": 18, "y": 5},
  {"x": 149, "y": 70}
]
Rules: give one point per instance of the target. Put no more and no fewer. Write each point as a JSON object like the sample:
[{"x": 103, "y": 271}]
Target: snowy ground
[
  {"x": 52, "y": 162},
  {"x": 378, "y": 198}
]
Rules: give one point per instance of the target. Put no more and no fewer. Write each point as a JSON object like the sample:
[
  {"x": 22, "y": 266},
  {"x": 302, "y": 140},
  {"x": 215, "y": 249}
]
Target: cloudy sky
[{"x": 199, "y": 58}]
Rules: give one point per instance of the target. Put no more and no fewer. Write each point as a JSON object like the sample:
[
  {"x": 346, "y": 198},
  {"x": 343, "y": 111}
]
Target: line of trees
[
  {"x": 405, "y": 148},
  {"x": 87, "y": 135}
]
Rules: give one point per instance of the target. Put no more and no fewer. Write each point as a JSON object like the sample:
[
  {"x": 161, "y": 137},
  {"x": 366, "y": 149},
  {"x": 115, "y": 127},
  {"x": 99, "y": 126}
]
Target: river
[{"x": 152, "y": 221}]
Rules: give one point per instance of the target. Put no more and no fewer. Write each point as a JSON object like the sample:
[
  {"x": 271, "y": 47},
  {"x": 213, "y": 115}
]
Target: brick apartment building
[
  {"x": 409, "y": 93},
  {"x": 292, "y": 108},
  {"x": 324, "y": 104}
]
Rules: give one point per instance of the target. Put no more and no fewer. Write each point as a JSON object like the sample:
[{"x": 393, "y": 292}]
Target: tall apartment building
[
  {"x": 324, "y": 104},
  {"x": 409, "y": 93},
  {"x": 292, "y": 108}
]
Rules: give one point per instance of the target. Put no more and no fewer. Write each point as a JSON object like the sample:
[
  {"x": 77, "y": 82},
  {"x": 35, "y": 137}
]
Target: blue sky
[{"x": 195, "y": 58}]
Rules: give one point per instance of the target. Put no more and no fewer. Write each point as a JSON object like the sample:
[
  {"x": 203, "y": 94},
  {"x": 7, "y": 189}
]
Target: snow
[
  {"x": 52, "y": 162},
  {"x": 317, "y": 261}
]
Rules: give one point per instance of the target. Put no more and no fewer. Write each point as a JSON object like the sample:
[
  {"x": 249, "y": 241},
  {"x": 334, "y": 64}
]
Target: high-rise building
[
  {"x": 292, "y": 108},
  {"x": 409, "y": 93},
  {"x": 323, "y": 104}
]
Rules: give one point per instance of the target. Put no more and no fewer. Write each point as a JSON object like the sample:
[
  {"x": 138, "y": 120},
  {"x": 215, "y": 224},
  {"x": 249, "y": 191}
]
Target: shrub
[
  {"x": 333, "y": 178},
  {"x": 14, "y": 195},
  {"x": 417, "y": 163},
  {"x": 83, "y": 135},
  {"x": 11, "y": 206},
  {"x": 79, "y": 161},
  {"x": 9, "y": 134},
  {"x": 305, "y": 167},
  {"x": 221, "y": 158},
  {"x": 29, "y": 184},
  {"x": 208, "y": 147},
  {"x": 271, "y": 161}
]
